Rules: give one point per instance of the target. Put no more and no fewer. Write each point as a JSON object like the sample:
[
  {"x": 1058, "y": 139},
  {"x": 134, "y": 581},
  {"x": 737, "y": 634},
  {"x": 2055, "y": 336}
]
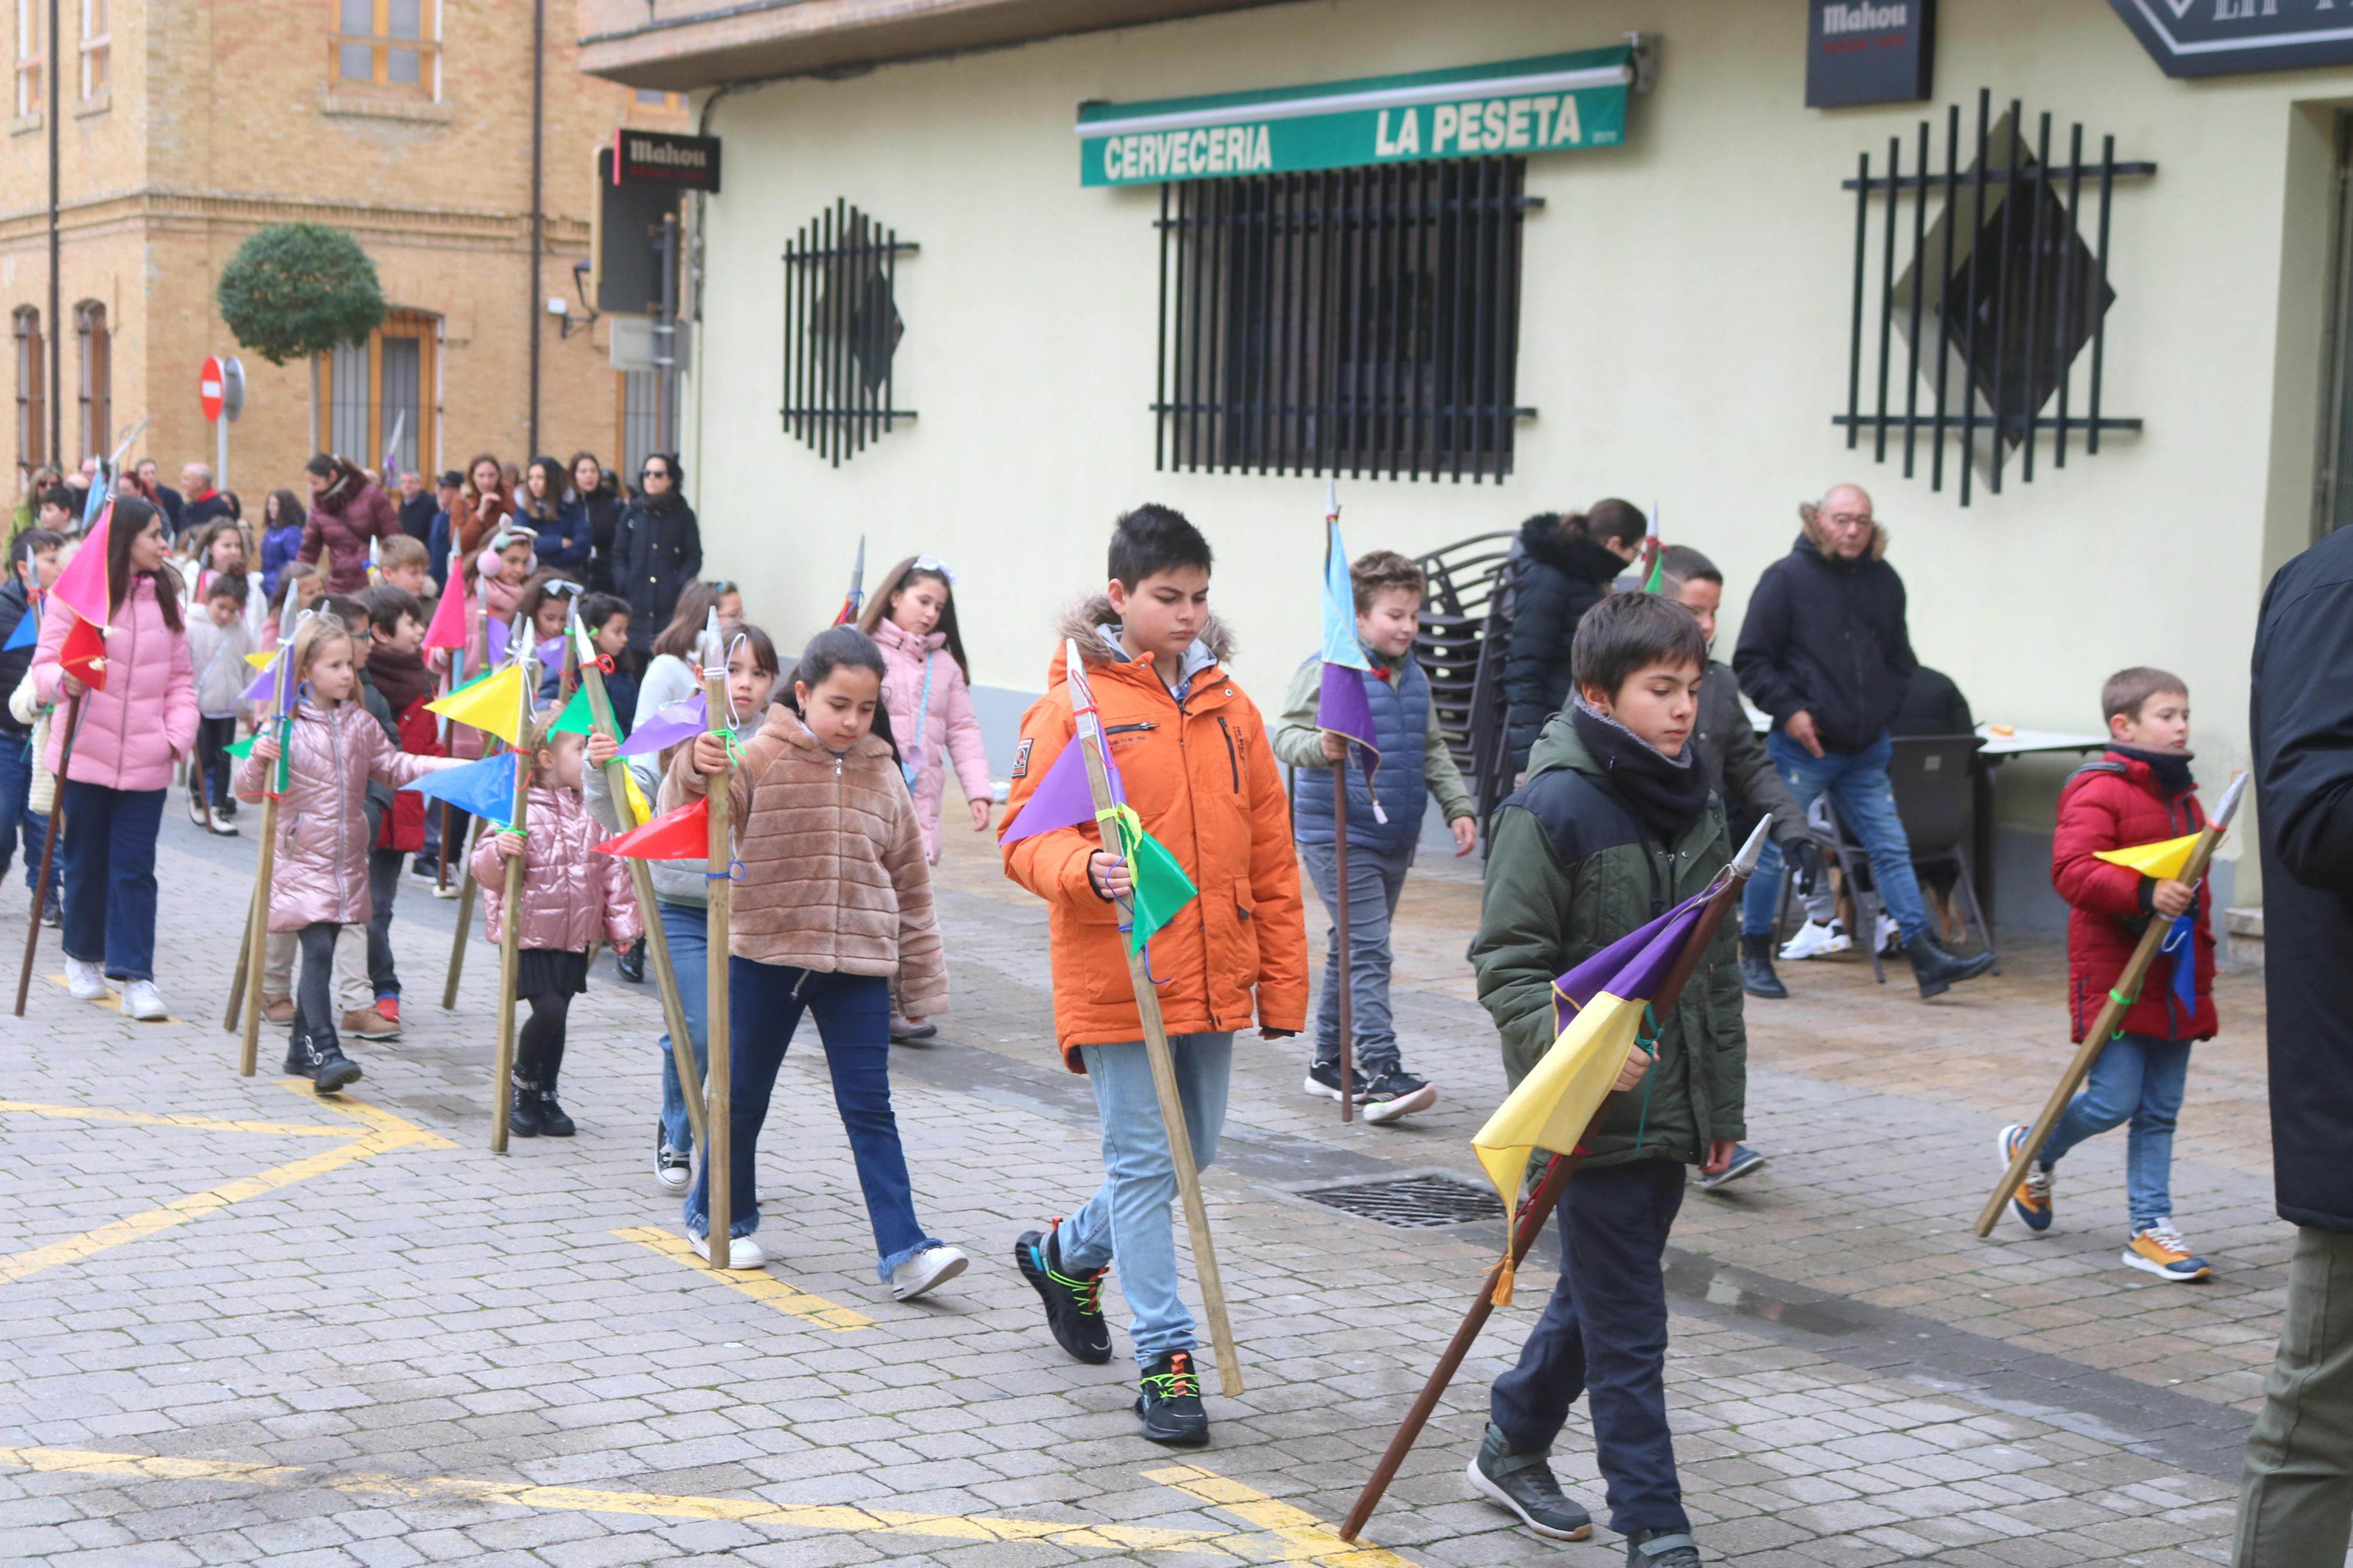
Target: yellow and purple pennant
[{"x": 1342, "y": 708}]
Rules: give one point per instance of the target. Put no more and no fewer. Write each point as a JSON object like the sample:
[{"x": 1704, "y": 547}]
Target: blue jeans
[
  {"x": 1604, "y": 1334},
  {"x": 1865, "y": 801},
  {"x": 109, "y": 876},
  {"x": 688, "y": 928},
  {"x": 764, "y": 1002},
  {"x": 1375, "y": 877},
  {"x": 2140, "y": 1079},
  {"x": 1127, "y": 1220},
  {"x": 17, "y": 818}
]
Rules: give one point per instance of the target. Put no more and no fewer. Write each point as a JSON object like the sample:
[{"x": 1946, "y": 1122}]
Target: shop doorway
[{"x": 2333, "y": 492}]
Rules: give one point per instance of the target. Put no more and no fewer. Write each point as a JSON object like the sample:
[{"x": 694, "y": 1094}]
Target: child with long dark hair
[
  {"x": 913, "y": 621},
  {"x": 835, "y": 899}
]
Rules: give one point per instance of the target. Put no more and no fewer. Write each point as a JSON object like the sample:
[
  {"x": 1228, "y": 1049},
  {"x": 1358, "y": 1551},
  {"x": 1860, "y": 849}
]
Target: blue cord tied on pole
[{"x": 735, "y": 873}]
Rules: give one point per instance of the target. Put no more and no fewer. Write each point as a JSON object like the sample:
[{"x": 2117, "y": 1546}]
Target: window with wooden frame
[
  {"x": 32, "y": 400},
  {"x": 392, "y": 45},
  {"x": 95, "y": 354},
  {"x": 381, "y": 396},
  {"x": 28, "y": 57},
  {"x": 97, "y": 39}
]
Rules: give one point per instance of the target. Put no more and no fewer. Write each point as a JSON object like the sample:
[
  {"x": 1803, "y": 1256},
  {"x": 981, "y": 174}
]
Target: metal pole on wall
[
  {"x": 538, "y": 217},
  {"x": 57, "y": 326},
  {"x": 666, "y": 342}
]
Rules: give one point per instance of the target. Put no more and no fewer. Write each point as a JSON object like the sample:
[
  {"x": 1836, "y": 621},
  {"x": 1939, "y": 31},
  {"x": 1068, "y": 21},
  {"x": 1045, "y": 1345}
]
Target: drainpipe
[
  {"x": 538, "y": 217},
  {"x": 694, "y": 250},
  {"x": 56, "y": 327}
]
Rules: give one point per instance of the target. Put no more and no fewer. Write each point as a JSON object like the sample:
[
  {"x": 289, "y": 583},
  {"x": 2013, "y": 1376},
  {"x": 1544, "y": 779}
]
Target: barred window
[
  {"x": 95, "y": 346},
  {"x": 1363, "y": 320},
  {"x": 32, "y": 403}
]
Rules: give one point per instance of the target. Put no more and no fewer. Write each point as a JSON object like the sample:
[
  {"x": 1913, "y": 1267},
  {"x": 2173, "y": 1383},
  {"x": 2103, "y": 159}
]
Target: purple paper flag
[
  {"x": 263, "y": 684},
  {"x": 550, "y": 654},
  {"x": 1632, "y": 967},
  {"x": 667, "y": 727},
  {"x": 1064, "y": 799},
  {"x": 1341, "y": 707},
  {"x": 496, "y": 632}
]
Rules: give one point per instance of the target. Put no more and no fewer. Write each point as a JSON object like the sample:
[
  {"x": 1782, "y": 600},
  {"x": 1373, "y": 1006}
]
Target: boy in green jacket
[{"x": 1616, "y": 823}]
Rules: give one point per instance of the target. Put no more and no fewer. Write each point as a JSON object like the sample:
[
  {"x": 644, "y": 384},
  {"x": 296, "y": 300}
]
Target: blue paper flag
[
  {"x": 27, "y": 631},
  {"x": 2181, "y": 943},
  {"x": 485, "y": 788}
]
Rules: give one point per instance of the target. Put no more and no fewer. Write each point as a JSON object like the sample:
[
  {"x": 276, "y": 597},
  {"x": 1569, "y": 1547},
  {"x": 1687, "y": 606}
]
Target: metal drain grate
[{"x": 1413, "y": 1203}]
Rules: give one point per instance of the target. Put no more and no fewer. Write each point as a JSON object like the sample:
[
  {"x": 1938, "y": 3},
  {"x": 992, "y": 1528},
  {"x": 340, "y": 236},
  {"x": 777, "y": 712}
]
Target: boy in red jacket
[
  {"x": 395, "y": 669},
  {"x": 2140, "y": 791}
]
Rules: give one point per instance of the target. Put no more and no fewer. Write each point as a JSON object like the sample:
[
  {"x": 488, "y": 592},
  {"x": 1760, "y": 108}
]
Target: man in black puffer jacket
[
  {"x": 1823, "y": 649},
  {"x": 1561, "y": 568}
]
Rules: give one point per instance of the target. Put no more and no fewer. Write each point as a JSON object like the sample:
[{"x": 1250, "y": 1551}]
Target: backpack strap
[{"x": 2101, "y": 765}]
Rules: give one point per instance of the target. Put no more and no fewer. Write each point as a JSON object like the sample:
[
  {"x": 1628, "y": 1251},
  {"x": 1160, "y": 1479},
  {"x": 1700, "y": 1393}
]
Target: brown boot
[{"x": 367, "y": 1024}]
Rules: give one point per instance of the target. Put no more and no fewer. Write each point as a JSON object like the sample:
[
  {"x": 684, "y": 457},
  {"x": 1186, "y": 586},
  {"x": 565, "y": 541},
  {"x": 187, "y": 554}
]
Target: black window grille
[
  {"x": 2007, "y": 289},
  {"x": 841, "y": 332},
  {"x": 1358, "y": 321}
]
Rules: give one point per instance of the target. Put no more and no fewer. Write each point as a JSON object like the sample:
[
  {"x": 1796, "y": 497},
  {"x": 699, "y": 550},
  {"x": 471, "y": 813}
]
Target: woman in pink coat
[
  {"x": 126, "y": 740},
  {"x": 914, "y": 622}
]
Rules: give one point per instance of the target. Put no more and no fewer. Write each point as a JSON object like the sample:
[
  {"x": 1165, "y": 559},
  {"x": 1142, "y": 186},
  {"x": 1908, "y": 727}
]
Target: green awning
[{"x": 1549, "y": 103}]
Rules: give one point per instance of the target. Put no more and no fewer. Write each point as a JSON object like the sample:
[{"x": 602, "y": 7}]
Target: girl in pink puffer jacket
[
  {"x": 321, "y": 883},
  {"x": 569, "y": 900},
  {"x": 912, "y": 620}
]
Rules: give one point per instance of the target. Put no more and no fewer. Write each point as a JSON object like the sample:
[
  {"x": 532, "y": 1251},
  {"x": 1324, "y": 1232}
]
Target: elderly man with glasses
[
  {"x": 657, "y": 549},
  {"x": 1824, "y": 651}
]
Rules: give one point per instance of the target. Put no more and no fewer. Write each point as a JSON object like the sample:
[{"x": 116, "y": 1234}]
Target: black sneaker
[
  {"x": 1757, "y": 976},
  {"x": 301, "y": 1061},
  {"x": 1524, "y": 1484},
  {"x": 553, "y": 1122},
  {"x": 1170, "y": 1403},
  {"x": 1324, "y": 1079},
  {"x": 1662, "y": 1549},
  {"x": 523, "y": 1113},
  {"x": 630, "y": 961},
  {"x": 1074, "y": 1303},
  {"x": 1936, "y": 969},
  {"x": 424, "y": 869},
  {"x": 334, "y": 1070},
  {"x": 53, "y": 913},
  {"x": 1395, "y": 1094}
]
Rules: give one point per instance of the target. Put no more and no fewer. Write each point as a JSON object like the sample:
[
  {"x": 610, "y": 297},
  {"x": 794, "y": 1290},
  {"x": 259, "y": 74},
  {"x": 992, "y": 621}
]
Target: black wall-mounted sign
[
  {"x": 1869, "y": 51},
  {"x": 662, "y": 157},
  {"x": 2231, "y": 37},
  {"x": 627, "y": 240}
]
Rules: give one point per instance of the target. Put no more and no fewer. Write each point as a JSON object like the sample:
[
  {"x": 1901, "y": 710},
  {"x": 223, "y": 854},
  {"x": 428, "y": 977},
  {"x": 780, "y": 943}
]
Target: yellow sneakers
[{"x": 2158, "y": 1249}]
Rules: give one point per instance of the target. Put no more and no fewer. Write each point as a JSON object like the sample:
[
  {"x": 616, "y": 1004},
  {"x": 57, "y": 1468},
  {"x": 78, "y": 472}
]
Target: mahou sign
[
  {"x": 662, "y": 157},
  {"x": 1869, "y": 51}
]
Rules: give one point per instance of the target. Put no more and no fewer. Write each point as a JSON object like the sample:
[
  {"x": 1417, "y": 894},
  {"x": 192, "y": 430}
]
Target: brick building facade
[{"x": 187, "y": 126}]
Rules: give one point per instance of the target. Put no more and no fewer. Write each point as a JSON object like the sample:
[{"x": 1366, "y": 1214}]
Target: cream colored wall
[{"x": 1684, "y": 337}]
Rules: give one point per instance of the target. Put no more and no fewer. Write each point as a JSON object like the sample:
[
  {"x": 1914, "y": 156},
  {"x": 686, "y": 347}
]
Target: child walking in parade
[
  {"x": 320, "y": 884},
  {"x": 396, "y": 669},
  {"x": 1187, "y": 743},
  {"x": 682, "y": 892},
  {"x": 1615, "y": 824},
  {"x": 570, "y": 900},
  {"x": 607, "y": 619},
  {"x": 219, "y": 636},
  {"x": 835, "y": 898},
  {"x": 2138, "y": 792},
  {"x": 32, "y": 567},
  {"x": 1414, "y": 764}
]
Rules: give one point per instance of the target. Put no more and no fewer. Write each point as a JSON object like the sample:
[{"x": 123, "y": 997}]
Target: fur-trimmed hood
[
  {"x": 1808, "y": 514},
  {"x": 1089, "y": 617},
  {"x": 1570, "y": 551}
]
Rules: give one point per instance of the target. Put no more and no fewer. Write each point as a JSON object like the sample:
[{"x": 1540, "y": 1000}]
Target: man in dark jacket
[
  {"x": 1561, "y": 568},
  {"x": 32, "y": 563},
  {"x": 416, "y": 506},
  {"x": 1823, "y": 649},
  {"x": 2295, "y": 1505},
  {"x": 201, "y": 504},
  {"x": 658, "y": 547}
]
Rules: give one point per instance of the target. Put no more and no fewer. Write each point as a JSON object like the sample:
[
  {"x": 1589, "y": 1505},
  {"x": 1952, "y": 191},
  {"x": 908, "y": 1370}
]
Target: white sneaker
[
  {"x": 742, "y": 1252},
  {"x": 1890, "y": 935},
  {"x": 449, "y": 890},
  {"x": 1815, "y": 940},
  {"x": 87, "y": 981},
  {"x": 932, "y": 1266},
  {"x": 141, "y": 1001},
  {"x": 224, "y": 824}
]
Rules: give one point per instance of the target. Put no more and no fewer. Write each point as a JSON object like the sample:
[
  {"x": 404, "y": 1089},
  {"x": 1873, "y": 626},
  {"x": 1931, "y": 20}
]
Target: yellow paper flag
[
  {"x": 263, "y": 660},
  {"x": 2163, "y": 861},
  {"x": 638, "y": 810},
  {"x": 492, "y": 705},
  {"x": 1552, "y": 1105}
]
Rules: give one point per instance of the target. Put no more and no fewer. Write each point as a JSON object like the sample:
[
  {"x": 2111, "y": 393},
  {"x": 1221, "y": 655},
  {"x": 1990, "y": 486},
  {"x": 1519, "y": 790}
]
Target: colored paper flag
[
  {"x": 83, "y": 654},
  {"x": 495, "y": 635},
  {"x": 681, "y": 835},
  {"x": 261, "y": 687},
  {"x": 1341, "y": 707},
  {"x": 243, "y": 749},
  {"x": 640, "y": 811},
  {"x": 2163, "y": 861},
  {"x": 1598, "y": 1011},
  {"x": 82, "y": 587},
  {"x": 1158, "y": 887},
  {"x": 1064, "y": 799},
  {"x": 486, "y": 788},
  {"x": 575, "y": 719},
  {"x": 263, "y": 658},
  {"x": 549, "y": 654},
  {"x": 1654, "y": 555},
  {"x": 448, "y": 627},
  {"x": 27, "y": 631},
  {"x": 492, "y": 705},
  {"x": 2180, "y": 944},
  {"x": 855, "y": 599},
  {"x": 668, "y": 726}
]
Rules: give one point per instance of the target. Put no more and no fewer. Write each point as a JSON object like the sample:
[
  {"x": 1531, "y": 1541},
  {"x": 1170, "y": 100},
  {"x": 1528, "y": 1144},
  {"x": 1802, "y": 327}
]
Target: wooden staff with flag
[
  {"x": 1598, "y": 1012},
  {"x": 718, "y": 1142},
  {"x": 855, "y": 600},
  {"x": 277, "y": 723},
  {"x": 1343, "y": 711},
  {"x": 2182, "y": 859}
]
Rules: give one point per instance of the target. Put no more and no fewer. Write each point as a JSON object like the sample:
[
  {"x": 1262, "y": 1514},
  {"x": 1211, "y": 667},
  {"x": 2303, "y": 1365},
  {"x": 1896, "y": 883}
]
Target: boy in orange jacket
[{"x": 1192, "y": 755}]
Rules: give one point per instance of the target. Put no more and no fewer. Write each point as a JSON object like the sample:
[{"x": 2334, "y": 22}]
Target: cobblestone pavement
[{"x": 246, "y": 1324}]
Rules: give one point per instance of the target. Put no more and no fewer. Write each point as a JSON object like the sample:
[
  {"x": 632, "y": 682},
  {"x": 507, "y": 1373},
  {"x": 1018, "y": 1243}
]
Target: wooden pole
[
  {"x": 441, "y": 856},
  {"x": 526, "y": 753},
  {"x": 1089, "y": 737},
  {"x": 1340, "y": 928},
  {"x": 718, "y": 1142},
  {"x": 256, "y": 921},
  {"x": 1539, "y": 1207},
  {"x": 473, "y": 836},
  {"x": 2112, "y": 1012},
  {"x": 641, "y": 882},
  {"x": 243, "y": 953},
  {"x": 48, "y": 851}
]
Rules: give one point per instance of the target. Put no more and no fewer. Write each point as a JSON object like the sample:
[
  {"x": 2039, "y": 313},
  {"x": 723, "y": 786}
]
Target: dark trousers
[
  {"x": 109, "y": 876},
  {"x": 383, "y": 885},
  {"x": 764, "y": 1002},
  {"x": 1604, "y": 1334},
  {"x": 314, "y": 987},
  {"x": 209, "y": 770},
  {"x": 17, "y": 818},
  {"x": 539, "y": 1044}
]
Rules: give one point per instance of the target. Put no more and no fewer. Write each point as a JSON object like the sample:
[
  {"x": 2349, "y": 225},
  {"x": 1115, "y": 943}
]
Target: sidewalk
[{"x": 372, "y": 1341}]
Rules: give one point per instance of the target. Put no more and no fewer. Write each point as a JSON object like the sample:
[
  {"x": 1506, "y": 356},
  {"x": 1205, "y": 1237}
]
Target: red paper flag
[
  {"x": 681, "y": 835},
  {"x": 82, "y": 655}
]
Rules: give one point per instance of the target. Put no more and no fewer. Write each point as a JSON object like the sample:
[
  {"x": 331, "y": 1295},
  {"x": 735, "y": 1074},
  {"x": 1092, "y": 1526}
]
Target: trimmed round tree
[{"x": 299, "y": 291}]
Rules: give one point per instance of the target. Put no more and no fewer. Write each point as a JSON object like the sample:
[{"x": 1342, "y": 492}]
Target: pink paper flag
[
  {"x": 449, "y": 627},
  {"x": 82, "y": 587}
]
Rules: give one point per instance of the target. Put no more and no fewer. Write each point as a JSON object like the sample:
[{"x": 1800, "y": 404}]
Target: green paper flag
[
  {"x": 1161, "y": 886},
  {"x": 242, "y": 749},
  {"x": 574, "y": 720}
]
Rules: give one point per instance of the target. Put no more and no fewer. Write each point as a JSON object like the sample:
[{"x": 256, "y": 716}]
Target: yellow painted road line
[
  {"x": 112, "y": 1002},
  {"x": 385, "y": 1133},
  {"x": 1306, "y": 1538},
  {"x": 150, "y": 1119},
  {"x": 756, "y": 1283}
]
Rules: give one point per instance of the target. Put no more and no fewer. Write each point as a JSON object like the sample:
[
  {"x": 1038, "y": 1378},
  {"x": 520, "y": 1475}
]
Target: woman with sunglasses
[{"x": 659, "y": 548}]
